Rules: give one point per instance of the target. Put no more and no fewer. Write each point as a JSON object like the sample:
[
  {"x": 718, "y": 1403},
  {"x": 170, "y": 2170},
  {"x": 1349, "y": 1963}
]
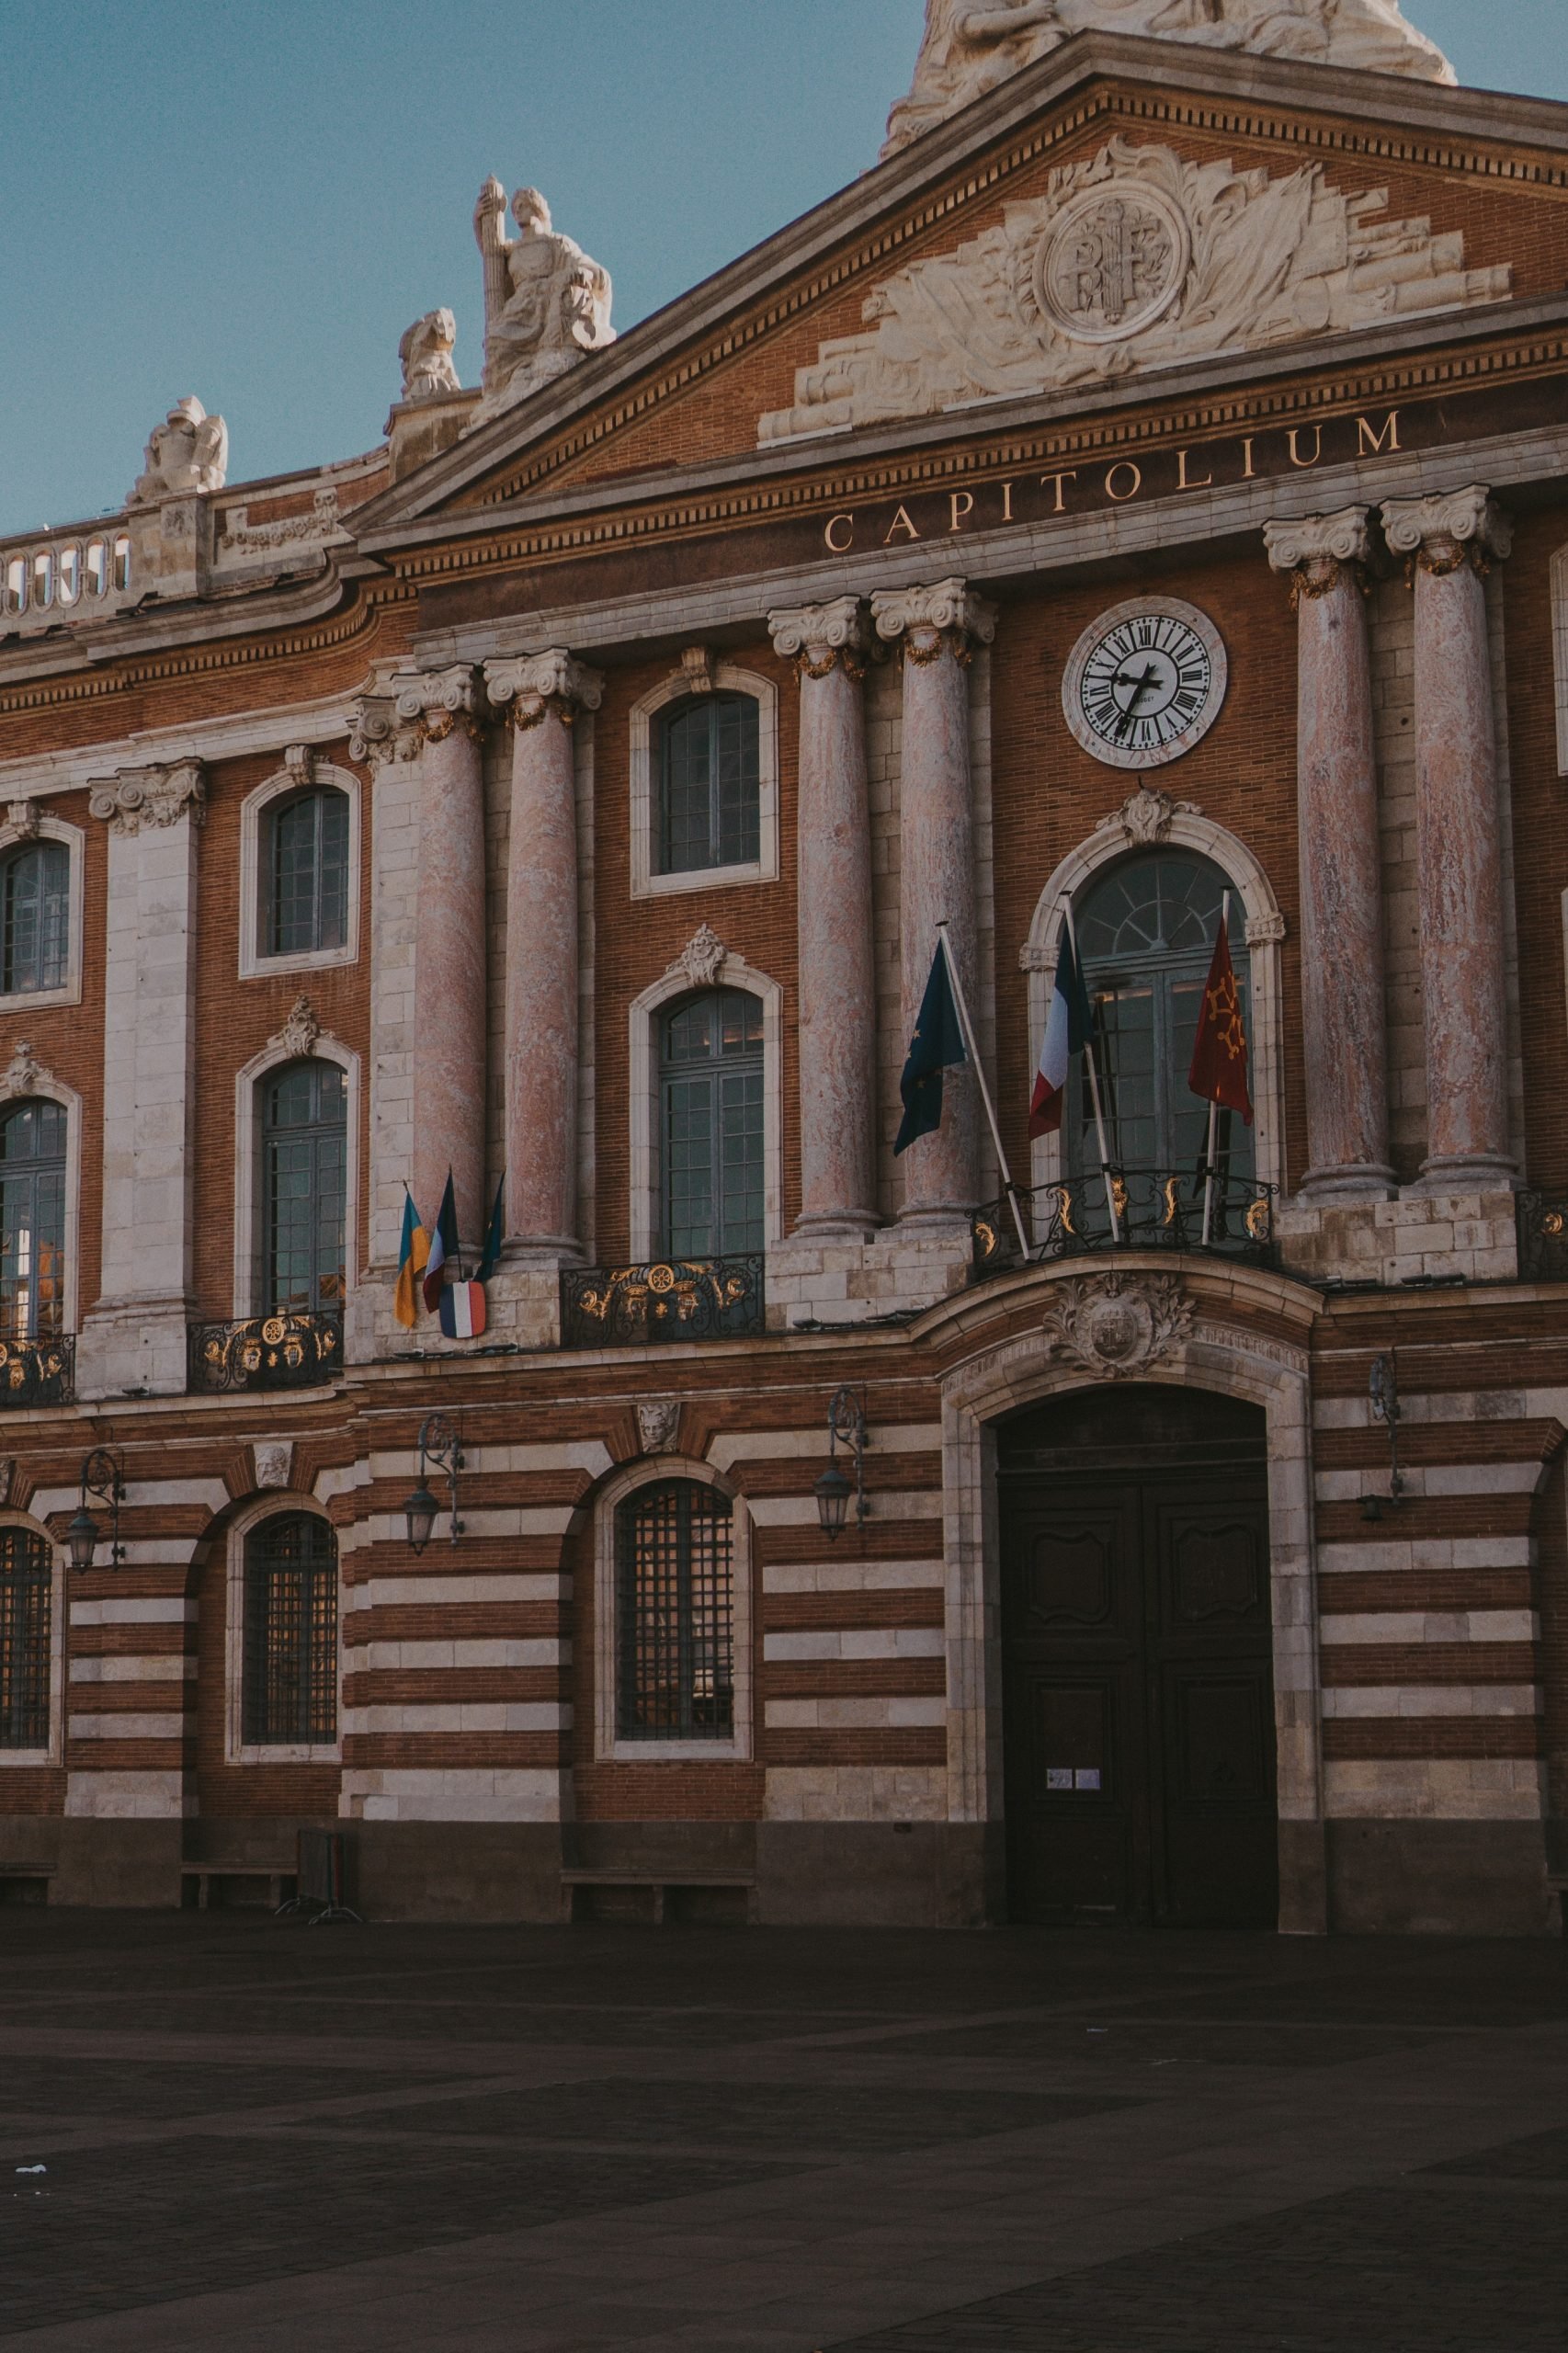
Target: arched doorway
[{"x": 1138, "y": 1685}]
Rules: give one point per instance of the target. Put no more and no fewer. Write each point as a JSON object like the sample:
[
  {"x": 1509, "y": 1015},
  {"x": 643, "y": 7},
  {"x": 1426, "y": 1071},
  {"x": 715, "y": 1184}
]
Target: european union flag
[{"x": 938, "y": 1041}]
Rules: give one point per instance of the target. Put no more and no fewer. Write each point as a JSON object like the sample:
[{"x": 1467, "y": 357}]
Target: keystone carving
[
  {"x": 157, "y": 795},
  {"x": 23, "y": 1074},
  {"x": 22, "y": 819},
  {"x": 274, "y": 1461},
  {"x": 658, "y": 1419},
  {"x": 1147, "y": 816},
  {"x": 703, "y": 959},
  {"x": 1114, "y": 1325},
  {"x": 298, "y": 1034}
]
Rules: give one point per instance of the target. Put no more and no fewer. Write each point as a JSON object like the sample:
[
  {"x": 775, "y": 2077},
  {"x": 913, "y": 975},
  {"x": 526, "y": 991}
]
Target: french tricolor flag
[{"x": 1069, "y": 1027}]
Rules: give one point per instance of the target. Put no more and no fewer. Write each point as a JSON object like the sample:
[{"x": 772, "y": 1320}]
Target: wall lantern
[
  {"x": 1384, "y": 1389},
  {"x": 103, "y": 1475},
  {"x": 846, "y": 1428},
  {"x": 441, "y": 1444}
]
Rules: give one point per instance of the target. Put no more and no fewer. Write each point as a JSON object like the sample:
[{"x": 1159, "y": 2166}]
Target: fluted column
[
  {"x": 1450, "y": 540},
  {"x": 544, "y": 693},
  {"x": 936, "y": 629},
  {"x": 1344, "y": 1017},
  {"x": 442, "y": 711},
  {"x": 838, "y": 972}
]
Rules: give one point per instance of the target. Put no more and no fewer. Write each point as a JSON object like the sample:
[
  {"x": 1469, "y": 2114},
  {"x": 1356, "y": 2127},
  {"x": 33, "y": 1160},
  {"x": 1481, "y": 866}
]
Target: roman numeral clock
[{"x": 1145, "y": 682}]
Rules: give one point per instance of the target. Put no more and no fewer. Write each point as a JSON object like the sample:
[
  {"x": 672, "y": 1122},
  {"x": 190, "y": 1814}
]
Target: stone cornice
[{"x": 326, "y": 721}]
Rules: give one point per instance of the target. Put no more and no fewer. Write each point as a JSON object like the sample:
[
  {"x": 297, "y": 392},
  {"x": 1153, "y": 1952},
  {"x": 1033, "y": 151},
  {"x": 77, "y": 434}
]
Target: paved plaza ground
[{"x": 261, "y": 2134}]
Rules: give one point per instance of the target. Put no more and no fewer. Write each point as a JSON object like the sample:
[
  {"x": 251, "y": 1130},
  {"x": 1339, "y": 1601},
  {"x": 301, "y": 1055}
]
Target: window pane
[
  {"x": 32, "y": 1221},
  {"x": 711, "y": 1125},
  {"x": 307, "y": 874},
  {"x": 291, "y": 1633},
  {"x": 304, "y": 1155},
  {"x": 34, "y": 912},
  {"x": 710, "y": 769},
  {"x": 676, "y": 1599},
  {"x": 25, "y": 1595}
]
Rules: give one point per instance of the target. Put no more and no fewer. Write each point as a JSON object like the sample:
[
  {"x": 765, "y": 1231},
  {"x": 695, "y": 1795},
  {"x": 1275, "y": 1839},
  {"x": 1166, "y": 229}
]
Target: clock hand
[{"x": 1140, "y": 688}]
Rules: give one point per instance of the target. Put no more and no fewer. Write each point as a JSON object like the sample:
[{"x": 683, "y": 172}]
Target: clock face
[{"x": 1145, "y": 683}]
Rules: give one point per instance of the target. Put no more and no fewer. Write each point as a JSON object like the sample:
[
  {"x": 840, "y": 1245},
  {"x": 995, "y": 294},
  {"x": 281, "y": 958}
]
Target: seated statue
[
  {"x": 971, "y": 46},
  {"x": 189, "y": 451},
  {"x": 546, "y": 305},
  {"x": 425, "y": 352}
]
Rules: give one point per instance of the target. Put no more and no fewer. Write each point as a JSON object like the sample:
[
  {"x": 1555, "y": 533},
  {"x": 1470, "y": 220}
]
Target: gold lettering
[
  {"x": 1006, "y": 502},
  {"x": 1250, "y": 473},
  {"x": 1061, "y": 482},
  {"x": 1372, "y": 444},
  {"x": 1126, "y": 466},
  {"x": 901, "y": 522},
  {"x": 962, "y": 503},
  {"x": 1182, "y": 481},
  {"x": 840, "y": 547},
  {"x": 1295, "y": 440}
]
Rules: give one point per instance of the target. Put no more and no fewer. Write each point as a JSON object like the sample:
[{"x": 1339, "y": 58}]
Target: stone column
[
  {"x": 936, "y": 629},
  {"x": 838, "y": 972},
  {"x": 1344, "y": 1020},
  {"x": 1450, "y": 540},
  {"x": 134, "y": 1338},
  {"x": 545, "y": 693}
]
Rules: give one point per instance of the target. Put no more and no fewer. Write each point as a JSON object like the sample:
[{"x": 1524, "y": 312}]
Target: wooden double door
[{"x": 1138, "y": 1648}]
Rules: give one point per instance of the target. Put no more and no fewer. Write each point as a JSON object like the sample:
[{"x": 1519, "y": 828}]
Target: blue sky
[{"x": 250, "y": 199}]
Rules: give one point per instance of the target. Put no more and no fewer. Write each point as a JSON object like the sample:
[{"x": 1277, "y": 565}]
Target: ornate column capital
[
  {"x": 1321, "y": 550},
  {"x": 946, "y": 613},
  {"x": 535, "y": 683},
  {"x": 439, "y": 701},
  {"x": 151, "y": 796},
  {"x": 819, "y": 639},
  {"x": 1444, "y": 533}
]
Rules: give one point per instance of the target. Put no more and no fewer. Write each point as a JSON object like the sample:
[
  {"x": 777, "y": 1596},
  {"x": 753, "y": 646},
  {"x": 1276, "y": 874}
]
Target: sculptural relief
[
  {"x": 1134, "y": 259},
  {"x": 546, "y": 305},
  {"x": 1115, "y": 1325},
  {"x": 425, "y": 352},
  {"x": 189, "y": 451},
  {"x": 971, "y": 46}
]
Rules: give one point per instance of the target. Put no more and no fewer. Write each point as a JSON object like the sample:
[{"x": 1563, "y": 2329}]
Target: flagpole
[
  {"x": 1094, "y": 1092},
  {"x": 1213, "y": 1112},
  {"x": 967, "y": 1026}
]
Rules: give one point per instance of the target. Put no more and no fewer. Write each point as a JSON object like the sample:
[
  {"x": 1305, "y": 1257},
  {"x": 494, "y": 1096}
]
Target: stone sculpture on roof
[
  {"x": 425, "y": 352},
  {"x": 546, "y": 303},
  {"x": 189, "y": 451},
  {"x": 971, "y": 46}
]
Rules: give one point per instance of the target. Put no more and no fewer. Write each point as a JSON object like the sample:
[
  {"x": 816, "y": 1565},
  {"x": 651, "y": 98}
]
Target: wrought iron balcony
[
  {"x": 1543, "y": 1237},
  {"x": 1156, "y": 1208},
  {"x": 674, "y": 1298},
  {"x": 37, "y": 1372},
  {"x": 265, "y": 1352}
]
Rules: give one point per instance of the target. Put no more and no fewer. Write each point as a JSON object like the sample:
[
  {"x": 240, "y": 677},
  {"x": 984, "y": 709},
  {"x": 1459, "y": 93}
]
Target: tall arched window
[
  {"x": 709, "y": 810},
  {"x": 26, "y": 1583},
  {"x": 34, "y": 918},
  {"x": 711, "y": 1105},
  {"x": 304, "y": 1148},
  {"x": 674, "y": 1606},
  {"x": 32, "y": 1221},
  {"x": 289, "y": 1673},
  {"x": 1146, "y": 932},
  {"x": 305, "y": 873}
]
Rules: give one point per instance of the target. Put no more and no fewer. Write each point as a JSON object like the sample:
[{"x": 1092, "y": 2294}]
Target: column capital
[
  {"x": 821, "y": 638},
  {"x": 434, "y": 702},
  {"x": 133, "y": 798},
  {"x": 535, "y": 683},
  {"x": 1454, "y": 528},
  {"x": 944, "y": 612},
  {"x": 1320, "y": 550}
]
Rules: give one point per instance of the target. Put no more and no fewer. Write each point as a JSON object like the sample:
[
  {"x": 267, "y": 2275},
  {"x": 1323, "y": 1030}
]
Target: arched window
[
  {"x": 674, "y": 1608},
  {"x": 711, "y": 1103},
  {"x": 26, "y": 1580},
  {"x": 35, "y": 917},
  {"x": 709, "y": 809},
  {"x": 1146, "y": 932},
  {"x": 32, "y": 1221},
  {"x": 305, "y": 873},
  {"x": 289, "y": 1677},
  {"x": 304, "y": 1148}
]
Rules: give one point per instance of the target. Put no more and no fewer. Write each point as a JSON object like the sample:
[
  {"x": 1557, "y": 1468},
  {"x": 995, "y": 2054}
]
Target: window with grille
[
  {"x": 305, "y": 1160},
  {"x": 291, "y": 1633},
  {"x": 304, "y": 868},
  {"x": 27, "y": 1581},
  {"x": 34, "y": 918},
  {"x": 710, "y": 1085},
  {"x": 1146, "y": 934},
  {"x": 710, "y": 811},
  {"x": 32, "y": 1221},
  {"x": 676, "y": 1604}
]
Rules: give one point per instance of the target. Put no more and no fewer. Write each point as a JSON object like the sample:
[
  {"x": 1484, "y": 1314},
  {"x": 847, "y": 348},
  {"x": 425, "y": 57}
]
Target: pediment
[{"x": 1121, "y": 208}]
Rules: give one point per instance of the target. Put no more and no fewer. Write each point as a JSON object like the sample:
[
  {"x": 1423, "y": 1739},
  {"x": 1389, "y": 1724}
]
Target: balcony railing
[
  {"x": 674, "y": 1298},
  {"x": 1543, "y": 1237},
  {"x": 37, "y": 1372},
  {"x": 1156, "y": 1208},
  {"x": 265, "y": 1352}
]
